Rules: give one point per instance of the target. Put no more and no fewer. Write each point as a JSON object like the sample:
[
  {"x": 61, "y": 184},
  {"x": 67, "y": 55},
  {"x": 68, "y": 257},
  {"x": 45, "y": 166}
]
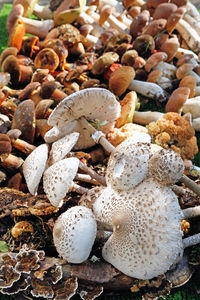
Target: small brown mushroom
[
  {"x": 189, "y": 81},
  {"x": 177, "y": 99},
  {"x": 19, "y": 143},
  {"x": 50, "y": 89},
  {"x": 47, "y": 59},
  {"x": 144, "y": 44},
  {"x": 103, "y": 62},
  {"x": 164, "y": 10},
  {"x": 24, "y": 120}
]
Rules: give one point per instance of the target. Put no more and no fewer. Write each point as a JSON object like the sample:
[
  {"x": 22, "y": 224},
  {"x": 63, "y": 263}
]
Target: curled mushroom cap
[
  {"x": 128, "y": 162},
  {"x": 177, "y": 99},
  {"x": 97, "y": 105},
  {"x": 47, "y": 58},
  {"x": 34, "y": 166},
  {"x": 147, "y": 236},
  {"x": 74, "y": 234},
  {"x": 57, "y": 179},
  {"x": 166, "y": 166}
]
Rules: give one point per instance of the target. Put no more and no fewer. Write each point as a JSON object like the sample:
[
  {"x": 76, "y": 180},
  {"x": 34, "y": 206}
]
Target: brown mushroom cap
[
  {"x": 177, "y": 99},
  {"x": 121, "y": 79},
  {"x": 189, "y": 82},
  {"x": 24, "y": 120},
  {"x": 164, "y": 10},
  {"x": 28, "y": 90},
  {"x": 139, "y": 23},
  {"x": 103, "y": 62},
  {"x": 155, "y": 27},
  {"x": 144, "y": 44},
  {"x": 47, "y": 59},
  {"x": 11, "y": 66},
  {"x": 8, "y": 51},
  {"x": 28, "y": 6},
  {"x": 16, "y": 12},
  {"x": 5, "y": 146}
]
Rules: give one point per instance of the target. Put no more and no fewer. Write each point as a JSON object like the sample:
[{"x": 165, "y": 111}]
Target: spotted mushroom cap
[
  {"x": 74, "y": 233},
  {"x": 166, "y": 166},
  {"x": 95, "y": 104},
  {"x": 62, "y": 147},
  {"x": 128, "y": 162},
  {"x": 58, "y": 178},
  {"x": 147, "y": 235},
  {"x": 34, "y": 166}
]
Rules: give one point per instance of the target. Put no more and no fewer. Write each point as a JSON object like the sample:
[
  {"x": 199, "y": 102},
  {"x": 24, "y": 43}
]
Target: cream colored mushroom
[{"x": 74, "y": 233}]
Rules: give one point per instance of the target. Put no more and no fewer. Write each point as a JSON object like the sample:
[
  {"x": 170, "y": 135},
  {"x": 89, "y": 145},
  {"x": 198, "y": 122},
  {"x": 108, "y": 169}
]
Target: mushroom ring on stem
[{"x": 80, "y": 110}]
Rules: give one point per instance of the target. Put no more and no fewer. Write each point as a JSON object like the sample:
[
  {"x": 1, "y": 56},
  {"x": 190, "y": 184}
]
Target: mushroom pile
[{"x": 116, "y": 183}]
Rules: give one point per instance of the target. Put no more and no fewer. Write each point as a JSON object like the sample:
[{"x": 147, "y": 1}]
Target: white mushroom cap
[
  {"x": 128, "y": 162},
  {"x": 95, "y": 104},
  {"x": 62, "y": 147},
  {"x": 58, "y": 179},
  {"x": 34, "y": 166},
  {"x": 147, "y": 235},
  {"x": 166, "y": 166},
  {"x": 74, "y": 233}
]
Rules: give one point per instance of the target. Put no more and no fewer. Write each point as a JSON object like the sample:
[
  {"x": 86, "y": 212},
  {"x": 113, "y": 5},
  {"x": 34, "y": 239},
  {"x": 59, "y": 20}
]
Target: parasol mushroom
[{"x": 79, "y": 110}]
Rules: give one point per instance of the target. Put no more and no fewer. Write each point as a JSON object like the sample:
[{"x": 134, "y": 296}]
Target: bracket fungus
[
  {"x": 93, "y": 105},
  {"x": 74, "y": 234}
]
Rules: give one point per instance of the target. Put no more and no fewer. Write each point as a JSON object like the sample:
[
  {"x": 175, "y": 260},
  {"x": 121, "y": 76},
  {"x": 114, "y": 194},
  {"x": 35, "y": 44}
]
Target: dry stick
[
  {"x": 191, "y": 184},
  {"x": 78, "y": 189},
  {"x": 86, "y": 178}
]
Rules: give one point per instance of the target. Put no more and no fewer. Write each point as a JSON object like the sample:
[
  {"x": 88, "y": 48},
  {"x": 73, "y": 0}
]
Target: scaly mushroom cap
[
  {"x": 57, "y": 179},
  {"x": 62, "y": 147},
  {"x": 95, "y": 104},
  {"x": 74, "y": 234},
  {"x": 147, "y": 236},
  {"x": 34, "y": 166},
  {"x": 166, "y": 166},
  {"x": 128, "y": 162}
]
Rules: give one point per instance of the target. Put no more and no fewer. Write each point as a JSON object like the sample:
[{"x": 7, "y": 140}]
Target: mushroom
[
  {"x": 192, "y": 105},
  {"x": 103, "y": 62},
  {"x": 34, "y": 166},
  {"x": 122, "y": 168},
  {"x": 35, "y": 27},
  {"x": 147, "y": 236},
  {"x": 68, "y": 11},
  {"x": 62, "y": 147},
  {"x": 177, "y": 99},
  {"x": 47, "y": 58},
  {"x": 58, "y": 180},
  {"x": 18, "y": 143},
  {"x": 106, "y": 15},
  {"x": 122, "y": 79},
  {"x": 71, "y": 113},
  {"x": 74, "y": 233},
  {"x": 24, "y": 120}
]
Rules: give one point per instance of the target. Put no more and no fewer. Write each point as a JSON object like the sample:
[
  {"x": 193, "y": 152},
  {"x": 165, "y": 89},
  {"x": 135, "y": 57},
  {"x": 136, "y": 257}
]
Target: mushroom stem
[
  {"x": 97, "y": 136},
  {"x": 42, "y": 12},
  {"x": 36, "y": 27},
  {"x": 23, "y": 146},
  {"x": 92, "y": 173},
  {"x": 189, "y": 34},
  {"x": 191, "y": 240},
  {"x": 193, "y": 22},
  {"x": 146, "y": 117},
  {"x": 179, "y": 191},
  {"x": 191, "y": 212},
  {"x": 191, "y": 184},
  {"x": 148, "y": 89},
  {"x": 12, "y": 162},
  {"x": 78, "y": 189},
  {"x": 86, "y": 178}
]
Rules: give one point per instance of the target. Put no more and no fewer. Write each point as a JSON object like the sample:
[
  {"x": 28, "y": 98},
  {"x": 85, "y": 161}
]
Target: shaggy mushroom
[
  {"x": 58, "y": 180},
  {"x": 74, "y": 233},
  {"x": 122, "y": 168},
  {"x": 34, "y": 166},
  {"x": 97, "y": 105}
]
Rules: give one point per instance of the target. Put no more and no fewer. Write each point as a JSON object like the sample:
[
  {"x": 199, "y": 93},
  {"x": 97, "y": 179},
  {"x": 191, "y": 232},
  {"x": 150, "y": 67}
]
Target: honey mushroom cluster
[{"x": 59, "y": 97}]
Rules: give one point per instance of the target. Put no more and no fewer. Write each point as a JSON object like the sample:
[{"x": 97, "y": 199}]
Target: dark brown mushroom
[
  {"x": 24, "y": 120},
  {"x": 42, "y": 110},
  {"x": 144, "y": 44},
  {"x": 19, "y": 143},
  {"x": 31, "y": 91},
  {"x": 29, "y": 45},
  {"x": 5, "y": 146},
  {"x": 50, "y": 89}
]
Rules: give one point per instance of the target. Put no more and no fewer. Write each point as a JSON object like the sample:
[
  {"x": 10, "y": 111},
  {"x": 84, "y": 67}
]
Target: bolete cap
[
  {"x": 58, "y": 178},
  {"x": 34, "y": 166},
  {"x": 98, "y": 105},
  {"x": 74, "y": 233},
  {"x": 121, "y": 79}
]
